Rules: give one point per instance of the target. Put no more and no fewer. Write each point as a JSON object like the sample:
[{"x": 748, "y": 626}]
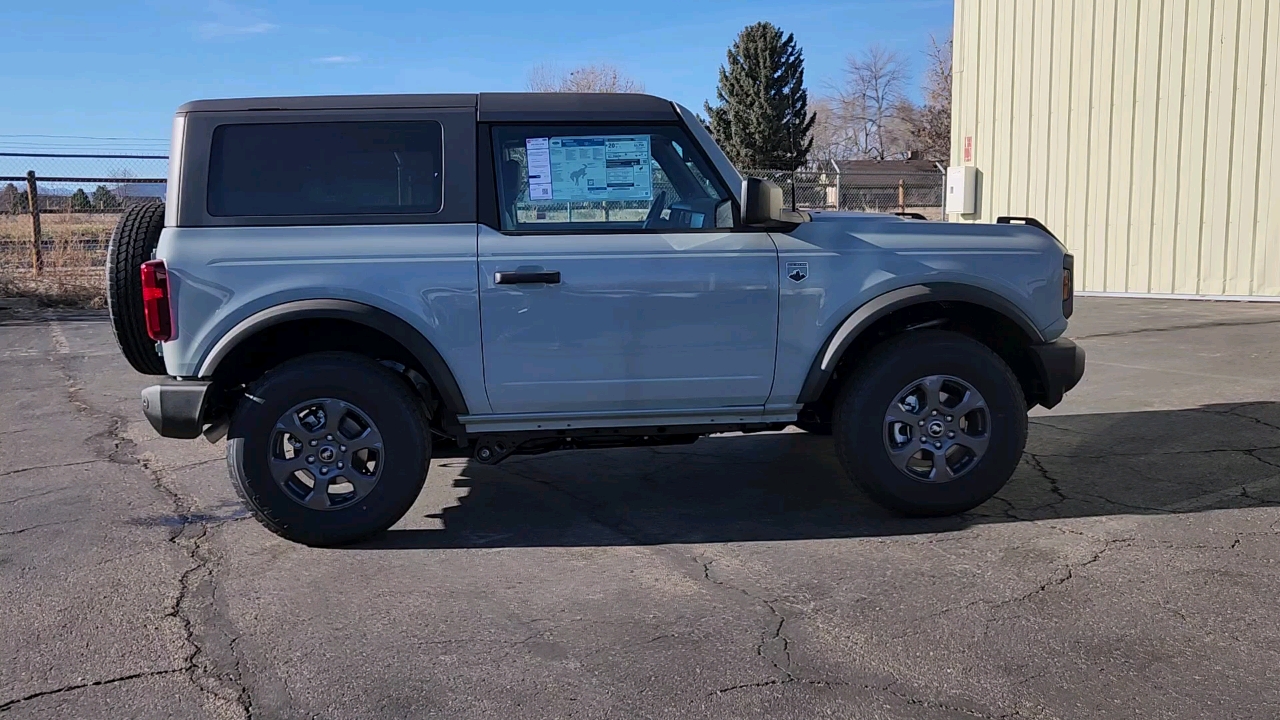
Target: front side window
[
  {"x": 588, "y": 179},
  {"x": 326, "y": 168}
]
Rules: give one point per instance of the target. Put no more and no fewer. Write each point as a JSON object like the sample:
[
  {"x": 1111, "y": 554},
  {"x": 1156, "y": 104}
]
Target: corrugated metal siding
[{"x": 1141, "y": 131}]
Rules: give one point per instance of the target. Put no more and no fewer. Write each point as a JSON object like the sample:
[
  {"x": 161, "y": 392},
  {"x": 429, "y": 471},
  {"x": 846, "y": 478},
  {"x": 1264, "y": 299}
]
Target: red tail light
[{"x": 155, "y": 300}]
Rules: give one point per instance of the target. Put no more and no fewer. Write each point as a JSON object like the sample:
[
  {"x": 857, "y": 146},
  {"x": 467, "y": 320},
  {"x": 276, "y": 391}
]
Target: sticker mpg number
[{"x": 797, "y": 271}]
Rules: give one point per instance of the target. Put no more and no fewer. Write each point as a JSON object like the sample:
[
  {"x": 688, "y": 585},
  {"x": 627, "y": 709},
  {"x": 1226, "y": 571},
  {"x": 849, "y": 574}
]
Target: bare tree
[
  {"x": 832, "y": 139},
  {"x": 122, "y": 185},
  {"x": 931, "y": 124},
  {"x": 594, "y": 78},
  {"x": 873, "y": 105}
]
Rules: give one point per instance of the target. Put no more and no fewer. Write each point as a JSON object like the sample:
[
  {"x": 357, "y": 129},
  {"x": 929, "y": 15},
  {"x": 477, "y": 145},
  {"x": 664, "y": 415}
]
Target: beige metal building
[{"x": 1142, "y": 132}]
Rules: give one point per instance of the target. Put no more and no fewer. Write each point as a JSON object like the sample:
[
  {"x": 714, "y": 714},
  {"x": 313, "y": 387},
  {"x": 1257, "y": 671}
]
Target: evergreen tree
[
  {"x": 80, "y": 200},
  {"x": 762, "y": 120},
  {"x": 104, "y": 199}
]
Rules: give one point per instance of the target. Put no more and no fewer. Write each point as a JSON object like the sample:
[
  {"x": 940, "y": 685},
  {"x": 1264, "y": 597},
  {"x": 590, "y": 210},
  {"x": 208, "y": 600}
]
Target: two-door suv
[{"x": 346, "y": 287}]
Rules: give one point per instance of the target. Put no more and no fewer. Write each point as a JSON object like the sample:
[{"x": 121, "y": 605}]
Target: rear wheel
[
  {"x": 330, "y": 449},
  {"x": 931, "y": 423},
  {"x": 132, "y": 242}
]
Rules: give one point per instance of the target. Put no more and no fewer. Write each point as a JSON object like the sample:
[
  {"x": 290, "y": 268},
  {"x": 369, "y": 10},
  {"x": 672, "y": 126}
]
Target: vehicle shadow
[{"x": 789, "y": 486}]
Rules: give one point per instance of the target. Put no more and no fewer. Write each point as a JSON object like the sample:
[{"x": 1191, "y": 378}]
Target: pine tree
[
  {"x": 104, "y": 199},
  {"x": 80, "y": 200},
  {"x": 762, "y": 120}
]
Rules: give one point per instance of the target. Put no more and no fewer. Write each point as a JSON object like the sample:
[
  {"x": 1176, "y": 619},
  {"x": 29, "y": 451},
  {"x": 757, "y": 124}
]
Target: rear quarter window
[{"x": 326, "y": 168}]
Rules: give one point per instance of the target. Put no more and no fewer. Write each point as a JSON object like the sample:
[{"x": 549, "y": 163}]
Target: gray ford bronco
[{"x": 347, "y": 287}]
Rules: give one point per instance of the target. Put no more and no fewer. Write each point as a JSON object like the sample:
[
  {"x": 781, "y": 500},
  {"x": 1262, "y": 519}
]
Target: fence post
[
  {"x": 33, "y": 201},
  {"x": 902, "y": 195},
  {"x": 943, "y": 174}
]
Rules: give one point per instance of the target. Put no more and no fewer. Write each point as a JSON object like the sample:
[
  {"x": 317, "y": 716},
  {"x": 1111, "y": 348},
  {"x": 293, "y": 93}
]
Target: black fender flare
[
  {"x": 881, "y": 305},
  {"x": 438, "y": 371}
]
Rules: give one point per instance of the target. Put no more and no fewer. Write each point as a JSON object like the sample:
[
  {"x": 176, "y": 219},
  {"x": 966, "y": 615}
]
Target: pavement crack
[
  {"x": 192, "y": 606},
  {"x": 1208, "y": 451},
  {"x": 1234, "y": 411},
  {"x": 935, "y": 705},
  {"x": 906, "y": 697},
  {"x": 775, "y": 682},
  {"x": 198, "y": 463},
  {"x": 1010, "y": 510},
  {"x": 42, "y": 493},
  {"x": 1050, "y": 479},
  {"x": 1042, "y": 423},
  {"x": 1131, "y": 506},
  {"x": 4, "y": 706},
  {"x": 1254, "y": 454},
  {"x": 920, "y": 629},
  {"x": 774, "y": 646},
  {"x": 47, "y": 467},
  {"x": 1064, "y": 575},
  {"x": 1257, "y": 501},
  {"x": 35, "y": 527}
]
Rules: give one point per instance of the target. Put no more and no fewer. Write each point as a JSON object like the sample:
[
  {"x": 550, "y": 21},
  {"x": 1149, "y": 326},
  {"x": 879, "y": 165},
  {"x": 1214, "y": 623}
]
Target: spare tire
[{"x": 134, "y": 240}]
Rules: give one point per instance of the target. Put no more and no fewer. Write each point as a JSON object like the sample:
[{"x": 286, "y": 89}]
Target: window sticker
[
  {"x": 595, "y": 167},
  {"x": 538, "y": 158}
]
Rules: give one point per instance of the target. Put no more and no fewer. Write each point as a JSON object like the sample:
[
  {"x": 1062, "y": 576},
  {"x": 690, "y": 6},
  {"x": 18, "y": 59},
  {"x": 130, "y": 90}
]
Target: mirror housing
[{"x": 763, "y": 205}]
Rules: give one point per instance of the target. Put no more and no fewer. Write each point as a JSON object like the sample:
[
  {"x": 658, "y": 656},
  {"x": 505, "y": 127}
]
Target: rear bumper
[
  {"x": 176, "y": 408},
  {"x": 1060, "y": 365}
]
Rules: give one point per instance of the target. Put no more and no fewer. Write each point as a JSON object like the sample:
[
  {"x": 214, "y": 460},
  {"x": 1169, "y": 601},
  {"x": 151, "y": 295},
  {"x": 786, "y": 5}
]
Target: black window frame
[
  {"x": 490, "y": 210},
  {"x": 458, "y": 167}
]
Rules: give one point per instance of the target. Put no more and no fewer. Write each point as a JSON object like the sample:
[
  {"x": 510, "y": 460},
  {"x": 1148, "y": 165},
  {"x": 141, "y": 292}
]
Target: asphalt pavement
[{"x": 1129, "y": 569}]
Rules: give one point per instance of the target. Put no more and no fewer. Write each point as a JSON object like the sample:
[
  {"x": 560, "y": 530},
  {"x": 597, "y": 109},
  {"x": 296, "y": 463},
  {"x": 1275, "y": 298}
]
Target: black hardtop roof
[{"x": 529, "y": 107}]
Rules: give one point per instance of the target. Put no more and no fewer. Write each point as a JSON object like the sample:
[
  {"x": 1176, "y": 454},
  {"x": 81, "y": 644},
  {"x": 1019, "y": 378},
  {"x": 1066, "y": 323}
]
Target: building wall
[{"x": 1142, "y": 132}]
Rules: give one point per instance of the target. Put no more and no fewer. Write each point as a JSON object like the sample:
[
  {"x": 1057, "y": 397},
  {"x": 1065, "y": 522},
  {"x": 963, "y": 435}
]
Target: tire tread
[{"x": 132, "y": 242}]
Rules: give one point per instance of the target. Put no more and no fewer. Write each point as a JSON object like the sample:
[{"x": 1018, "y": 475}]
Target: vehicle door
[{"x": 615, "y": 280}]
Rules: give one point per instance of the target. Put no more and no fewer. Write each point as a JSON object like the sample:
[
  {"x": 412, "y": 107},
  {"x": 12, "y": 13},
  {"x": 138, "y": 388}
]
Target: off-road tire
[
  {"x": 380, "y": 394},
  {"x": 132, "y": 243},
  {"x": 859, "y": 423}
]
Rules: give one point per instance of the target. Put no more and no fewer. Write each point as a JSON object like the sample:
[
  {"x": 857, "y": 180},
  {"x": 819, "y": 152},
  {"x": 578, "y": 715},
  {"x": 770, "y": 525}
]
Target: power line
[
  {"x": 84, "y": 137},
  {"x": 94, "y": 156}
]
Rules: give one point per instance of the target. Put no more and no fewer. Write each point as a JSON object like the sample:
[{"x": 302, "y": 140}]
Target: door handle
[{"x": 521, "y": 277}]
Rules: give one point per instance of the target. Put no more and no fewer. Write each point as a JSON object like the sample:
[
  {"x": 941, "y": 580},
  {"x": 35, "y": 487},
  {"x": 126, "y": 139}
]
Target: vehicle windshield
[{"x": 718, "y": 158}]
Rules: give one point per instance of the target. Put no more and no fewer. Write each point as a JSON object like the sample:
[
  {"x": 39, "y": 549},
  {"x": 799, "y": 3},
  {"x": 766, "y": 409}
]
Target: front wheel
[
  {"x": 931, "y": 423},
  {"x": 329, "y": 449}
]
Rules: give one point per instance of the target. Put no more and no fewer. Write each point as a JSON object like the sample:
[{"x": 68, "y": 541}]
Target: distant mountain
[
  {"x": 151, "y": 190},
  {"x": 139, "y": 190}
]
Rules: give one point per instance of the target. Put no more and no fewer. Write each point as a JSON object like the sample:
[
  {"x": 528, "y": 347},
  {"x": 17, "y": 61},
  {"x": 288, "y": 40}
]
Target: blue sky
[{"x": 118, "y": 69}]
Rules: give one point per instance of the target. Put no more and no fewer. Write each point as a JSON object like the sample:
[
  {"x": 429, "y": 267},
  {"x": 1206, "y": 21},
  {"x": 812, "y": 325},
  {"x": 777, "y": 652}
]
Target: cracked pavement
[{"x": 1129, "y": 569}]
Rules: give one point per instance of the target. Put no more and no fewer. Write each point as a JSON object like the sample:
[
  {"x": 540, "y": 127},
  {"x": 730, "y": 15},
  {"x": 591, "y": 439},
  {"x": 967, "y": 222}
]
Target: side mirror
[
  {"x": 761, "y": 202},
  {"x": 763, "y": 205}
]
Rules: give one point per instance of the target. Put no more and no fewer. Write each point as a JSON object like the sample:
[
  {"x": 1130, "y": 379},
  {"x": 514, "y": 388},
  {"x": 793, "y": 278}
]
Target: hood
[{"x": 890, "y": 232}]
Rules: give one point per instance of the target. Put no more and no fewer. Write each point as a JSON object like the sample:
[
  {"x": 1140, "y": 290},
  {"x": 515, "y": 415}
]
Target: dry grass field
[{"x": 74, "y": 250}]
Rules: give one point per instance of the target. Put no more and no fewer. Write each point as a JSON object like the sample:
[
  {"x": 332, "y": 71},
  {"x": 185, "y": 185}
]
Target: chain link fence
[
  {"x": 79, "y": 197},
  {"x": 56, "y": 254},
  {"x": 920, "y": 193}
]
